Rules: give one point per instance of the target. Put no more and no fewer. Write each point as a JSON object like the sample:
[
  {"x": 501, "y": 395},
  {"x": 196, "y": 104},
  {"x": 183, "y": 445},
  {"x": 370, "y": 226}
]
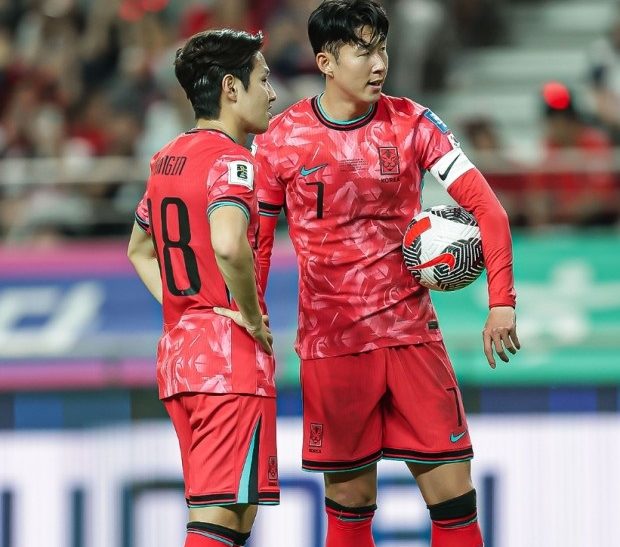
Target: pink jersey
[
  {"x": 350, "y": 191},
  {"x": 201, "y": 351}
]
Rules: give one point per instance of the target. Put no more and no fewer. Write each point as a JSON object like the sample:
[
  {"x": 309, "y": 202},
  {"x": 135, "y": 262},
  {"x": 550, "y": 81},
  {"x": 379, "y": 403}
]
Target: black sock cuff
[
  {"x": 237, "y": 538},
  {"x": 243, "y": 538},
  {"x": 456, "y": 508},
  {"x": 350, "y": 513}
]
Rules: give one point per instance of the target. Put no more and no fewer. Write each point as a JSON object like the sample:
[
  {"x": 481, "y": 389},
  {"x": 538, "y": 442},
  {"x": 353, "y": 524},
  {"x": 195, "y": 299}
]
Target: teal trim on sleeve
[{"x": 219, "y": 204}]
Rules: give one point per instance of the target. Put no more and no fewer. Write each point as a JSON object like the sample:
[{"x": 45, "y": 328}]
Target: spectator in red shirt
[{"x": 575, "y": 183}]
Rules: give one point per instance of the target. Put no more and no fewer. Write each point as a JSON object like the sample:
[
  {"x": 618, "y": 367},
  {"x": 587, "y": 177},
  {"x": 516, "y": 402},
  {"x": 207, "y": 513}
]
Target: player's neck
[
  {"x": 340, "y": 109},
  {"x": 234, "y": 132}
]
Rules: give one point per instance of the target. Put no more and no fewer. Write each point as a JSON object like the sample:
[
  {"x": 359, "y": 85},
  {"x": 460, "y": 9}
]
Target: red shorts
[
  {"x": 228, "y": 448},
  {"x": 399, "y": 403}
]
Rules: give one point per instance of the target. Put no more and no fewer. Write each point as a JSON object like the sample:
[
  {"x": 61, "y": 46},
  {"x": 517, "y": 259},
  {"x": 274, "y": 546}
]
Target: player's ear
[
  {"x": 229, "y": 87},
  {"x": 325, "y": 62}
]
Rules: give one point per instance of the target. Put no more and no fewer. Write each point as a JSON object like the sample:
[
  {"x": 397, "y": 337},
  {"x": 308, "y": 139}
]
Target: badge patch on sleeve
[
  {"x": 241, "y": 173},
  {"x": 434, "y": 118}
]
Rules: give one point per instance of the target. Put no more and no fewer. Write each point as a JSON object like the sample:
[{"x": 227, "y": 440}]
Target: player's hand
[
  {"x": 500, "y": 334},
  {"x": 258, "y": 330}
]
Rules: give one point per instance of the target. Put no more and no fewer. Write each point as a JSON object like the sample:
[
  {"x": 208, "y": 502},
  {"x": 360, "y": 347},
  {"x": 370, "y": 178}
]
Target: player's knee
[
  {"x": 461, "y": 508},
  {"x": 225, "y": 534},
  {"x": 348, "y": 496},
  {"x": 354, "y": 489},
  {"x": 350, "y": 513}
]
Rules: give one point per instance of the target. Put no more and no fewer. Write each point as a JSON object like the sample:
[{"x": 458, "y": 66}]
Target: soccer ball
[{"x": 442, "y": 248}]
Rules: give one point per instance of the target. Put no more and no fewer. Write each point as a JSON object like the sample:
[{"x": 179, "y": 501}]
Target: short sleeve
[
  {"x": 438, "y": 150},
  {"x": 142, "y": 214},
  {"x": 142, "y": 210},
  {"x": 269, "y": 188},
  {"x": 230, "y": 182}
]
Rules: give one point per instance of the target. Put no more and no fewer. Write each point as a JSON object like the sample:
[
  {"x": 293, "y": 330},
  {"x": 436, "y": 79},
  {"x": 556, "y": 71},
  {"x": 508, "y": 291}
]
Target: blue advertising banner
[{"x": 78, "y": 317}]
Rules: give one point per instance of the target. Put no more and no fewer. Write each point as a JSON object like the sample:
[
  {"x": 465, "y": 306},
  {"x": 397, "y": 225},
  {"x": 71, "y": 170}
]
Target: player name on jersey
[{"x": 170, "y": 165}]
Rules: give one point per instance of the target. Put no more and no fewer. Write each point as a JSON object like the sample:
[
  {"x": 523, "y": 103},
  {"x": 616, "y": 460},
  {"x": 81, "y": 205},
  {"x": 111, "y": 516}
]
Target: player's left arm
[
  {"x": 141, "y": 253},
  {"x": 472, "y": 192},
  {"x": 442, "y": 155}
]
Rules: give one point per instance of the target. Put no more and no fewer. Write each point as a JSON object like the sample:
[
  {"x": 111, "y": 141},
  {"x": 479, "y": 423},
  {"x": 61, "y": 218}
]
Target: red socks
[
  {"x": 349, "y": 526},
  {"x": 464, "y": 536},
  {"x": 194, "y": 539}
]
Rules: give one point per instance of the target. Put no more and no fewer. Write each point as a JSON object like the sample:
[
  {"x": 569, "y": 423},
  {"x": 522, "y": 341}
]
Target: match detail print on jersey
[{"x": 450, "y": 167}]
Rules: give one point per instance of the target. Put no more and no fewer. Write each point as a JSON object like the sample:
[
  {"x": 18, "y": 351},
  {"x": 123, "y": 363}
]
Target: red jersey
[
  {"x": 350, "y": 190},
  {"x": 201, "y": 351}
]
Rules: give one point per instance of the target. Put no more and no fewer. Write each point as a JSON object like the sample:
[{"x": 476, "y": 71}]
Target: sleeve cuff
[{"x": 229, "y": 203}]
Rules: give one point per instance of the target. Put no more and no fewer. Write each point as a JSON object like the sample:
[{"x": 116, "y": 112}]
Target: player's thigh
[
  {"x": 424, "y": 416},
  {"x": 341, "y": 411},
  {"x": 441, "y": 482},
  {"x": 236, "y": 517},
  {"x": 231, "y": 457}
]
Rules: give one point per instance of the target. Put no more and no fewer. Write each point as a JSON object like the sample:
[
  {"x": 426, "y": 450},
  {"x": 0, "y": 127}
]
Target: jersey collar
[
  {"x": 348, "y": 125},
  {"x": 200, "y": 129}
]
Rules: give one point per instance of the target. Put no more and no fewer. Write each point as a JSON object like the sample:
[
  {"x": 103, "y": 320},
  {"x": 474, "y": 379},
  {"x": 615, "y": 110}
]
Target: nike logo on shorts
[{"x": 456, "y": 438}]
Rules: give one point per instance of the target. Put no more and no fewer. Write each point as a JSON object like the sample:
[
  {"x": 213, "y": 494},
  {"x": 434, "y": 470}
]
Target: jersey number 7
[{"x": 319, "y": 197}]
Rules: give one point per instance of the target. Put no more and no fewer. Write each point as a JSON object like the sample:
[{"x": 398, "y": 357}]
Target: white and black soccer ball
[{"x": 442, "y": 248}]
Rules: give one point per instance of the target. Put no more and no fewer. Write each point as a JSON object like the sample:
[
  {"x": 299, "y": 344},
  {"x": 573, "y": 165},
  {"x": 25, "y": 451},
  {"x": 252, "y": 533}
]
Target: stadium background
[{"x": 87, "y": 94}]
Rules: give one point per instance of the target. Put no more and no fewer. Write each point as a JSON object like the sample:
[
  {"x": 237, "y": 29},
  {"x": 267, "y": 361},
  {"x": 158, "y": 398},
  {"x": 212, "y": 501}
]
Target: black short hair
[
  {"x": 202, "y": 63},
  {"x": 337, "y": 22}
]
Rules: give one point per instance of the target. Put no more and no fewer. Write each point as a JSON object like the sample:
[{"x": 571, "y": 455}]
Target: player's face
[
  {"x": 255, "y": 102},
  {"x": 360, "y": 70}
]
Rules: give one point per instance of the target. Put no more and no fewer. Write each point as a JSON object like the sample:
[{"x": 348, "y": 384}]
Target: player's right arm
[
  {"x": 235, "y": 261},
  {"x": 141, "y": 252}
]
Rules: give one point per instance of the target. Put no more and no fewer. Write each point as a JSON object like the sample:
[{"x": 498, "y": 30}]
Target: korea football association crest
[
  {"x": 316, "y": 436},
  {"x": 272, "y": 468},
  {"x": 389, "y": 160}
]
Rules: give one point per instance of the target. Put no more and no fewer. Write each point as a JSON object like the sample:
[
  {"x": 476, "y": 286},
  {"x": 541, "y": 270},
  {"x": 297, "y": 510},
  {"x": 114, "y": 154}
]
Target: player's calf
[{"x": 455, "y": 522}]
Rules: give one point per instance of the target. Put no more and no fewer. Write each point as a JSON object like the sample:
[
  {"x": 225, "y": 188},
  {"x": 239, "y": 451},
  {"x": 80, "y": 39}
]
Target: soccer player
[
  {"x": 193, "y": 246},
  {"x": 376, "y": 379}
]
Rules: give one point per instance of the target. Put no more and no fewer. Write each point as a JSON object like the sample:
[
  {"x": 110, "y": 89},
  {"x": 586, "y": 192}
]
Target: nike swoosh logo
[
  {"x": 445, "y": 258},
  {"x": 444, "y": 175},
  {"x": 456, "y": 438},
  {"x": 305, "y": 172}
]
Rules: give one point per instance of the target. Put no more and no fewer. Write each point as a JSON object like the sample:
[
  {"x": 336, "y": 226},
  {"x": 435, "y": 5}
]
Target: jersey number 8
[{"x": 181, "y": 243}]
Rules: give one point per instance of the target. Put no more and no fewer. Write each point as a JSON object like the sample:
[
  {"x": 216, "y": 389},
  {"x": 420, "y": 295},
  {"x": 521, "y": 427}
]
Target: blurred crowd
[
  {"x": 576, "y": 182},
  {"x": 82, "y": 80}
]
